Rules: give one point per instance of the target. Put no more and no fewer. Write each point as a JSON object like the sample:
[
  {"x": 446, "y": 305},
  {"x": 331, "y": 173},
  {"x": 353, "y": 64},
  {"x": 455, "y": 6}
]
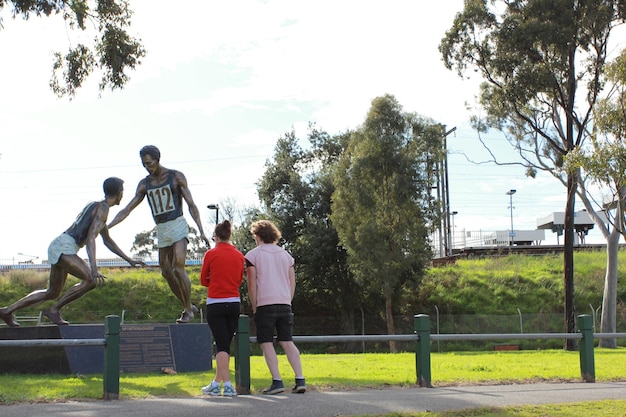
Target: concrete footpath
[{"x": 327, "y": 404}]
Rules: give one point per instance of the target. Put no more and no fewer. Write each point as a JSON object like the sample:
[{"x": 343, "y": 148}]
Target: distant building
[{"x": 582, "y": 223}]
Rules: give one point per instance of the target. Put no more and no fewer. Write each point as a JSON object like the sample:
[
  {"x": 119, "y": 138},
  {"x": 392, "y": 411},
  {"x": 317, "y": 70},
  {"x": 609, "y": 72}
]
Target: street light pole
[
  {"x": 454, "y": 213},
  {"x": 215, "y": 207},
  {"x": 512, "y": 234}
]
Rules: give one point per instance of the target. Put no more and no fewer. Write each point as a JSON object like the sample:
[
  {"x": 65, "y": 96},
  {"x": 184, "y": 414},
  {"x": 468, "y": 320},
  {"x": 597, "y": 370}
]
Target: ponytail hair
[{"x": 223, "y": 230}]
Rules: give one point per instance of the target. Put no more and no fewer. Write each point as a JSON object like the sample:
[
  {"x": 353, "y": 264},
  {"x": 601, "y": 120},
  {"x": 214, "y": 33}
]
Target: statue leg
[
  {"x": 75, "y": 266},
  {"x": 172, "y": 260},
  {"x": 58, "y": 276}
]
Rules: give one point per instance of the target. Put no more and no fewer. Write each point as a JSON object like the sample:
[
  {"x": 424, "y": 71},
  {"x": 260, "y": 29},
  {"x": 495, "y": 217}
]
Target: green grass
[
  {"x": 359, "y": 371},
  {"x": 334, "y": 371},
  {"x": 582, "y": 409}
]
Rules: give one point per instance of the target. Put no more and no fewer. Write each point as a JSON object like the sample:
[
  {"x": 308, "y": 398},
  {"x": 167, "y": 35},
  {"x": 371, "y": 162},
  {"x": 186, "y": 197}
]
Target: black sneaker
[
  {"x": 276, "y": 388},
  {"x": 300, "y": 387}
]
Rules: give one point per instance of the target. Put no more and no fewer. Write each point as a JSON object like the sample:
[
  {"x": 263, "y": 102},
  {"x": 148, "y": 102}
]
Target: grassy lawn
[{"x": 355, "y": 371}]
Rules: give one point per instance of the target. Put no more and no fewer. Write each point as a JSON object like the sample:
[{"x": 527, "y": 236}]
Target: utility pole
[
  {"x": 446, "y": 194},
  {"x": 512, "y": 234}
]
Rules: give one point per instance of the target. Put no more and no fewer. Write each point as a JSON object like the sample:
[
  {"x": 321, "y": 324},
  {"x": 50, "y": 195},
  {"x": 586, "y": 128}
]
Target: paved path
[{"x": 327, "y": 404}]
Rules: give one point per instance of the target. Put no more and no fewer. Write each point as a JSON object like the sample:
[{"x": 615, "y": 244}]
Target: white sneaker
[
  {"x": 211, "y": 389},
  {"x": 229, "y": 391}
]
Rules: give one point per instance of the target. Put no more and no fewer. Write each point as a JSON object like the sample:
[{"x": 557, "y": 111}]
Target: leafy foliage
[
  {"x": 381, "y": 202},
  {"x": 196, "y": 247},
  {"x": 534, "y": 57},
  {"x": 604, "y": 163},
  {"x": 605, "y": 160},
  {"x": 113, "y": 50},
  {"x": 145, "y": 245},
  {"x": 296, "y": 191}
]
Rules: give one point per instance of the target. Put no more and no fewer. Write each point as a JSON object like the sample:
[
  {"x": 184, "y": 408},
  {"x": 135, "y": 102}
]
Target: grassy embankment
[{"x": 486, "y": 287}]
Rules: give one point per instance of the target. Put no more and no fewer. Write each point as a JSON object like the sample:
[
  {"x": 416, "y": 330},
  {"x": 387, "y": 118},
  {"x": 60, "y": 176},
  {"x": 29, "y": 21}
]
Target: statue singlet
[
  {"x": 166, "y": 201},
  {"x": 80, "y": 228}
]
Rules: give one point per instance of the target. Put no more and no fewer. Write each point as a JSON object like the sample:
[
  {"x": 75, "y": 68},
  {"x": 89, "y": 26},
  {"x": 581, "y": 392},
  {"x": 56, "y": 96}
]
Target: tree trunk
[
  {"x": 347, "y": 326},
  {"x": 568, "y": 263},
  {"x": 391, "y": 328},
  {"x": 609, "y": 298}
]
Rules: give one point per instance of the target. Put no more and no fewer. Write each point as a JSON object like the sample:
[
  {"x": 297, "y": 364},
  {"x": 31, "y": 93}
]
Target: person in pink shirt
[
  {"x": 271, "y": 286},
  {"x": 222, "y": 272}
]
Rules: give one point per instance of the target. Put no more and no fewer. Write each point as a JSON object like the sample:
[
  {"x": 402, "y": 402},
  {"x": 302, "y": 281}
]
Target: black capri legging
[{"x": 222, "y": 319}]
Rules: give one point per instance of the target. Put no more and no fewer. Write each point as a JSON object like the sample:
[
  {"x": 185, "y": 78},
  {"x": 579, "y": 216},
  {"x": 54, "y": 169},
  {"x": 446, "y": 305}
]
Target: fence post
[
  {"x": 422, "y": 352},
  {"x": 242, "y": 355},
  {"x": 587, "y": 365},
  {"x": 111, "y": 378}
]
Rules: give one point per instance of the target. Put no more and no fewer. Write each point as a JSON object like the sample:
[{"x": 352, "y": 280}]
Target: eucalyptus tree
[
  {"x": 542, "y": 64},
  {"x": 196, "y": 248},
  {"x": 112, "y": 49},
  {"x": 295, "y": 192},
  {"x": 604, "y": 163},
  {"x": 381, "y": 206},
  {"x": 146, "y": 244}
]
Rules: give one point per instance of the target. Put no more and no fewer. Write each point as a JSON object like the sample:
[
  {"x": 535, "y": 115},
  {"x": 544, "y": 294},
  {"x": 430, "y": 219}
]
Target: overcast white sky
[{"x": 221, "y": 82}]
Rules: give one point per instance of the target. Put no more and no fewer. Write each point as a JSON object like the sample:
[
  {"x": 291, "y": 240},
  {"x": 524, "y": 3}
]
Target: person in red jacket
[{"x": 222, "y": 272}]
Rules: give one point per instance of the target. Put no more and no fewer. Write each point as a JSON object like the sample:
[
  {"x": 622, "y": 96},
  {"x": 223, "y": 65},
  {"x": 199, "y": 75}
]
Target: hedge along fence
[{"x": 422, "y": 339}]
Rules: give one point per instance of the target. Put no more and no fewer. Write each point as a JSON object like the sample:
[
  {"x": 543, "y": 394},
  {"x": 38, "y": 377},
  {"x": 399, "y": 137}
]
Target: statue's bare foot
[
  {"x": 8, "y": 318},
  {"x": 55, "y": 317}
]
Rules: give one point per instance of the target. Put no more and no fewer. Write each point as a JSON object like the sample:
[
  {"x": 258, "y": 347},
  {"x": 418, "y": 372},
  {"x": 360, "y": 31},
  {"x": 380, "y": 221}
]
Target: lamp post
[
  {"x": 512, "y": 234},
  {"x": 454, "y": 213},
  {"x": 215, "y": 207}
]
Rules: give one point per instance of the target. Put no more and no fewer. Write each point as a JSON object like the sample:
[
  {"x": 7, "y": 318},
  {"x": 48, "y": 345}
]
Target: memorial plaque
[{"x": 145, "y": 348}]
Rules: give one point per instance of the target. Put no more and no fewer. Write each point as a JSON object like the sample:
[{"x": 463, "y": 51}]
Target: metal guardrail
[
  {"x": 422, "y": 337},
  {"x": 102, "y": 263},
  {"x": 53, "y": 342},
  {"x": 111, "y": 343}
]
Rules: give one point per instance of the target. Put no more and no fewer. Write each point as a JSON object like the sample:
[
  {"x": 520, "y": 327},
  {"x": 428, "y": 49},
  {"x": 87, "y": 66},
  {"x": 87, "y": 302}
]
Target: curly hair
[{"x": 266, "y": 230}]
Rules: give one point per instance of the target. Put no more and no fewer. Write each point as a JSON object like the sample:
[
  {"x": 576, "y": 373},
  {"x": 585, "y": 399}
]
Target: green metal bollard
[
  {"x": 111, "y": 378},
  {"x": 587, "y": 365},
  {"x": 422, "y": 352},
  {"x": 242, "y": 355}
]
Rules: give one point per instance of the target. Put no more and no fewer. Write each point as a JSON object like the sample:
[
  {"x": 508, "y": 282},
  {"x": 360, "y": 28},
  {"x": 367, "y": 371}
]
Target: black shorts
[
  {"x": 223, "y": 319},
  {"x": 272, "y": 317}
]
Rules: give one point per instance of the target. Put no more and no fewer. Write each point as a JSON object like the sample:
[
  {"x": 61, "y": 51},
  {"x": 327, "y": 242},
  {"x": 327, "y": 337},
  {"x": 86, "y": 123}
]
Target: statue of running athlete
[
  {"x": 165, "y": 189},
  {"x": 63, "y": 258}
]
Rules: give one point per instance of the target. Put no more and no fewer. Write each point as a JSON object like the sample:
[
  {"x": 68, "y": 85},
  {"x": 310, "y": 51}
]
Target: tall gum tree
[
  {"x": 542, "y": 64},
  {"x": 112, "y": 50},
  {"x": 381, "y": 205},
  {"x": 295, "y": 192},
  {"x": 604, "y": 164}
]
